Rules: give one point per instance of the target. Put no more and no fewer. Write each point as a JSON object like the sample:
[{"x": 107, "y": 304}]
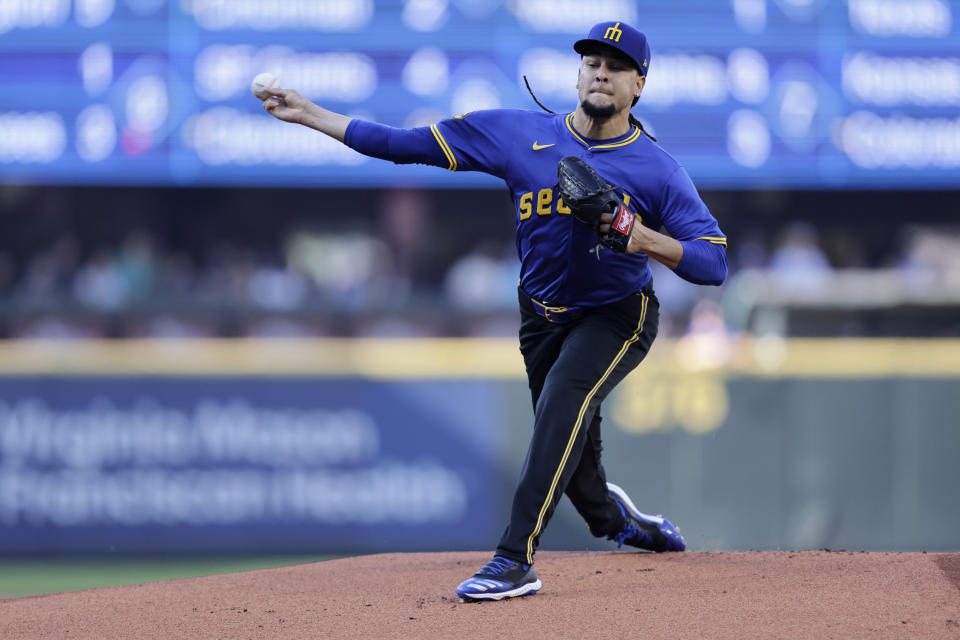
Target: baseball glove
[{"x": 589, "y": 196}]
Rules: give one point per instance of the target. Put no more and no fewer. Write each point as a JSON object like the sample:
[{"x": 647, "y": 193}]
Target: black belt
[
  {"x": 560, "y": 314},
  {"x": 556, "y": 314}
]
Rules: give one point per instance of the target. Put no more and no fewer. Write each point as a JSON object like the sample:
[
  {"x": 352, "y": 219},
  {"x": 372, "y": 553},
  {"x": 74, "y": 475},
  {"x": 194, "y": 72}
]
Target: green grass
[{"x": 33, "y": 576}]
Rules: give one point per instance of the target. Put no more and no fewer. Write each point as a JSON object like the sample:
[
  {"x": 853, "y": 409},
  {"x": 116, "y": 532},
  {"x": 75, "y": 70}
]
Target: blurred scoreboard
[{"x": 744, "y": 93}]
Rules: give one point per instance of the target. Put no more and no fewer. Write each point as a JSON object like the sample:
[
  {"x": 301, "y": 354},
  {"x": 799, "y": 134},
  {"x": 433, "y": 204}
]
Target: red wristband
[{"x": 623, "y": 221}]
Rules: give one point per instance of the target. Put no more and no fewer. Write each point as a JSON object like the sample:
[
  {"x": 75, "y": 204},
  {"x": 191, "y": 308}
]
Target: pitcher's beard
[{"x": 598, "y": 113}]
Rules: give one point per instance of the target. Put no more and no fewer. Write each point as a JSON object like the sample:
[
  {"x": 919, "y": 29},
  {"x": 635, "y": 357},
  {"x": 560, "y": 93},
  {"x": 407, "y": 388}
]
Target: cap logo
[
  {"x": 613, "y": 33},
  {"x": 644, "y": 62}
]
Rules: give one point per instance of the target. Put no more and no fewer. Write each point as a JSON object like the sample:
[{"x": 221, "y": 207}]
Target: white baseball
[{"x": 262, "y": 84}]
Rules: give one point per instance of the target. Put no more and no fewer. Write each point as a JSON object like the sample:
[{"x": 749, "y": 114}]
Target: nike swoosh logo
[{"x": 537, "y": 147}]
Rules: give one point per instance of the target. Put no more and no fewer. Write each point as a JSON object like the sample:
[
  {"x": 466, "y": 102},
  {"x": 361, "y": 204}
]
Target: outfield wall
[{"x": 340, "y": 446}]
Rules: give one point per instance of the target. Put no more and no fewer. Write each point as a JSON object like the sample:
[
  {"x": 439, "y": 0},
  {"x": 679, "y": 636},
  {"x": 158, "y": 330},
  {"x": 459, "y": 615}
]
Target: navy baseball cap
[{"x": 620, "y": 36}]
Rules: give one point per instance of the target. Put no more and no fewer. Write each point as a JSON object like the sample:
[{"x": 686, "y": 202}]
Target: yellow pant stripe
[
  {"x": 446, "y": 148},
  {"x": 579, "y": 422}
]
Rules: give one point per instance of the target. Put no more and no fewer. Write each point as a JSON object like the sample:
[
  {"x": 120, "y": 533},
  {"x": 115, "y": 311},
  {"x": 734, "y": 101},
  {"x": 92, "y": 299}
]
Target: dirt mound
[{"x": 798, "y": 595}]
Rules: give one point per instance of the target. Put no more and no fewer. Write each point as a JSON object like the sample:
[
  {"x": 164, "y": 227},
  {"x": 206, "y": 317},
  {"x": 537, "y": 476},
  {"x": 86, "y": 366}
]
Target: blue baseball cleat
[
  {"x": 652, "y": 533},
  {"x": 500, "y": 578}
]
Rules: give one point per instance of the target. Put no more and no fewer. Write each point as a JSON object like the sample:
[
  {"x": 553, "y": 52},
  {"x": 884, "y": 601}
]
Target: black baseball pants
[{"x": 571, "y": 368}]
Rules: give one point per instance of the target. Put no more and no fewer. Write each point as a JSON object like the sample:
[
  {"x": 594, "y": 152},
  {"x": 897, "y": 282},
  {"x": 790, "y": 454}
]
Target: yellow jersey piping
[
  {"x": 633, "y": 136},
  {"x": 714, "y": 240},
  {"x": 445, "y": 147},
  {"x": 578, "y": 423}
]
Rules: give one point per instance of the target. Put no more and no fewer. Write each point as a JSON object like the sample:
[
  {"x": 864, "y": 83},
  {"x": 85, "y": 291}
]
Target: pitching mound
[{"x": 798, "y": 595}]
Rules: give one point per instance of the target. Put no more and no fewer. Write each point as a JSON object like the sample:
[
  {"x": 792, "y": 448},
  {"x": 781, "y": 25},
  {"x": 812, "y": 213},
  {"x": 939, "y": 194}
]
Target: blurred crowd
[{"x": 86, "y": 263}]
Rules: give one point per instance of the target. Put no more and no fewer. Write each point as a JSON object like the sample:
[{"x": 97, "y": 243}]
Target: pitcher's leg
[
  {"x": 596, "y": 354},
  {"x": 587, "y": 489},
  {"x": 554, "y": 452}
]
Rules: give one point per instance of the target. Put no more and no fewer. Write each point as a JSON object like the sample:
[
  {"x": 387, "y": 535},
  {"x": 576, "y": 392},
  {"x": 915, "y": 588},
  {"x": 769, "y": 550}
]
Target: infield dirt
[{"x": 703, "y": 595}]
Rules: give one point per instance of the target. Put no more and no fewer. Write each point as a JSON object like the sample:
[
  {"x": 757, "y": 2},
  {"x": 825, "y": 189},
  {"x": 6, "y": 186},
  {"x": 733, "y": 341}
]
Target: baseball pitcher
[{"x": 592, "y": 192}]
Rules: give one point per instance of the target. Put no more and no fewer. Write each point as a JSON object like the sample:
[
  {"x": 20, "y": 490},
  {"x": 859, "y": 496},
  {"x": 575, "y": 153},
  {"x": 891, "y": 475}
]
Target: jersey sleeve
[
  {"x": 480, "y": 140},
  {"x": 477, "y": 141},
  {"x": 689, "y": 221}
]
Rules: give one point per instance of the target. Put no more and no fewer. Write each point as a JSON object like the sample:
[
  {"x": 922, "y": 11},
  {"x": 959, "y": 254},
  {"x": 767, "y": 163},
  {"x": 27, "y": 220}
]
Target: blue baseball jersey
[{"x": 560, "y": 262}]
